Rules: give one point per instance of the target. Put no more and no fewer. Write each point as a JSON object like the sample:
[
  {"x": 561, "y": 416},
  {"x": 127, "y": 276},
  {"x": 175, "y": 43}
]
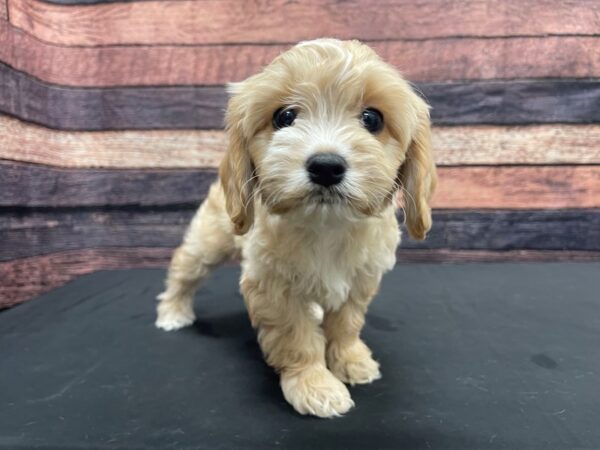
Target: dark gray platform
[{"x": 473, "y": 356}]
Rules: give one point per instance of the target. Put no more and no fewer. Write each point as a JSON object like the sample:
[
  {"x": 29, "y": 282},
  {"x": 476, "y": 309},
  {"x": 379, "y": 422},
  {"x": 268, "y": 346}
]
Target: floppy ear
[
  {"x": 418, "y": 176},
  {"x": 236, "y": 170}
]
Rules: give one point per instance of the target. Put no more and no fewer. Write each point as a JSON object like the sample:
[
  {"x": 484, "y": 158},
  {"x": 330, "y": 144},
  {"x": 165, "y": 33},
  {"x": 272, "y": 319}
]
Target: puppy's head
[{"x": 327, "y": 126}]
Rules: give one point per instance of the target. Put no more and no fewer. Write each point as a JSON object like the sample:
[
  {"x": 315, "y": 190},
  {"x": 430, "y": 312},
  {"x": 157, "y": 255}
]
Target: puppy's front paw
[
  {"x": 173, "y": 315},
  {"x": 316, "y": 391},
  {"x": 353, "y": 364}
]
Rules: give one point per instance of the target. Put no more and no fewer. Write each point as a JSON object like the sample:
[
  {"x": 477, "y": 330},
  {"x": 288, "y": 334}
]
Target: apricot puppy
[{"x": 320, "y": 142}]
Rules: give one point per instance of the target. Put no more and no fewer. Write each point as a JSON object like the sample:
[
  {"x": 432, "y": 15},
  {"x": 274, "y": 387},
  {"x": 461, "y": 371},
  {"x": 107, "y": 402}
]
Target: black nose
[{"x": 326, "y": 169}]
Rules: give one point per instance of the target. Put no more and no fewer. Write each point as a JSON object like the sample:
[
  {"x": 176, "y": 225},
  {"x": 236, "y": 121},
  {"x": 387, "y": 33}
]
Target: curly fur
[{"x": 312, "y": 259}]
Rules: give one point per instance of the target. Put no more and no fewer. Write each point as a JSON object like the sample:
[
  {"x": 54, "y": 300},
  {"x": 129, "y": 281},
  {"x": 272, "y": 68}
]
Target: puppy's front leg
[
  {"x": 348, "y": 357},
  {"x": 293, "y": 343},
  {"x": 207, "y": 242}
]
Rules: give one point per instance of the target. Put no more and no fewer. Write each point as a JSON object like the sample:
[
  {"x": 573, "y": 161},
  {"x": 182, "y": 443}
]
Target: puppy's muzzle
[{"x": 326, "y": 169}]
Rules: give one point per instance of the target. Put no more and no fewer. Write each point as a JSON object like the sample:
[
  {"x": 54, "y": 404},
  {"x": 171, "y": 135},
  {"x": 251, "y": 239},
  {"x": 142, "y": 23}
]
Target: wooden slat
[
  {"x": 423, "y": 61},
  {"x": 92, "y": 2},
  {"x": 112, "y": 108},
  {"x": 459, "y": 187},
  {"x": 132, "y": 65},
  {"x": 535, "y": 144},
  {"x": 25, "y": 234},
  {"x": 485, "y": 102},
  {"x": 518, "y": 187},
  {"x": 505, "y": 230},
  {"x": 232, "y": 21},
  {"x": 26, "y": 278},
  {"x": 23, "y": 279},
  {"x": 22, "y": 141},
  {"x": 3, "y": 12},
  {"x": 467, "y": 256},
  {"x": 454, "y": 146},
  {"x": 38, "y": 186},
  {"x": 512, "y": 103}
]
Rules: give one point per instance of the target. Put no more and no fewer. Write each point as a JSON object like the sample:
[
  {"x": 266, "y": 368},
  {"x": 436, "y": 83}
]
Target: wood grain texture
[
  {"x": 132, "y": 65},
  {"x": 38, "y": 186},
  {"x": 453, "y": 146},
  {"x": 32, "y": 233},
  {"x": 464, "y": 256},
  {"x": 513, "y": 103},
  {"x": 232, "y": 21},
  {"x": 504, "y": 230},
  {"x": 518, "y": 187},
  {"x": 111, "y": 108},
  {"x": 3, "y": 12},
  {"x": 26, "y": 142},
  {"x": 26, "y": 278},
  {"x": 92, "y": 2},
  {"x": 459, "y": 187},
  {"x": 534, "y": 144},
  {"x": 423, "y": 61},
  {"x": 180, "y": 107}
]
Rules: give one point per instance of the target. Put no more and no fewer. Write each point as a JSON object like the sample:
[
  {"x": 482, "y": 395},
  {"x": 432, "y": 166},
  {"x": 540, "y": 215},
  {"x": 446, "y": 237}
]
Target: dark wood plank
[
  {"x": 459, "y": 187},
  {"x": 504, "y": 230},
  {"x": 112, "y": 108},
  {"x": 31, "y": 233},
  {"x": 517, "y": 102},
  {"x": 25, "y": 234},
  {"x": 232, "y": 21},
  {"x": 423, "y": 61},
  {"x": 485, "y": 102},
  {"x": 39, "y": 186},
  {"x": 26, "y": 278},
  {"x": 468, "y": 256},
  {"x": 454, "y": 146}
]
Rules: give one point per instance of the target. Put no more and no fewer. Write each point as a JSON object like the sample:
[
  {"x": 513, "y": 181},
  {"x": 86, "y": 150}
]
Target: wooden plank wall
[{"x": 111, "y": 122}]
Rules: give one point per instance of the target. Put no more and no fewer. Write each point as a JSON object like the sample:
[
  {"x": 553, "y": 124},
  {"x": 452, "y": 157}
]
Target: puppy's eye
[
  {"x": 284, "y": 118},
  {"x": 372, "y": 120}
]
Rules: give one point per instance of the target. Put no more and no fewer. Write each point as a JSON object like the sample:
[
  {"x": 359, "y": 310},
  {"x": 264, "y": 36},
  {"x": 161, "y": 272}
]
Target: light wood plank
[
  {"x": 232, "y": 21},
  {"x": 518, "y": 187},
  {"x": 185, "y": 149},
  {"x": 453, "y": 146},
  {"x": 535, "y": 144},
  {"x": 423, "y": 61}
]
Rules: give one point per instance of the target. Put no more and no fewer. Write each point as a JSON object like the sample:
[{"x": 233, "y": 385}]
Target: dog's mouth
[{"x": 327, "y": 196}]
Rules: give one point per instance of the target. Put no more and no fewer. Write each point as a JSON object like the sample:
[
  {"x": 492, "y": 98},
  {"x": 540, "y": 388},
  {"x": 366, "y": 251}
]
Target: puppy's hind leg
[{"x": 208, "y": 242}]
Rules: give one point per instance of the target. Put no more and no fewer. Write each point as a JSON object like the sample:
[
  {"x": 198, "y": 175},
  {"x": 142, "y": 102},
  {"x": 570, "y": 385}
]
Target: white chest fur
[{"x": 320, "y": 262}]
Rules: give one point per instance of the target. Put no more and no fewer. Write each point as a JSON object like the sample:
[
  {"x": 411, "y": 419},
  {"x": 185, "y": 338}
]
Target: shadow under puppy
[{"x": 320, "y": 142}]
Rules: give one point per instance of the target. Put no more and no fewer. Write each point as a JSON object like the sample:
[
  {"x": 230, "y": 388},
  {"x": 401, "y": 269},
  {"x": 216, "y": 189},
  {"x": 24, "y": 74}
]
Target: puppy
[{"x": 320, "y": 143}]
